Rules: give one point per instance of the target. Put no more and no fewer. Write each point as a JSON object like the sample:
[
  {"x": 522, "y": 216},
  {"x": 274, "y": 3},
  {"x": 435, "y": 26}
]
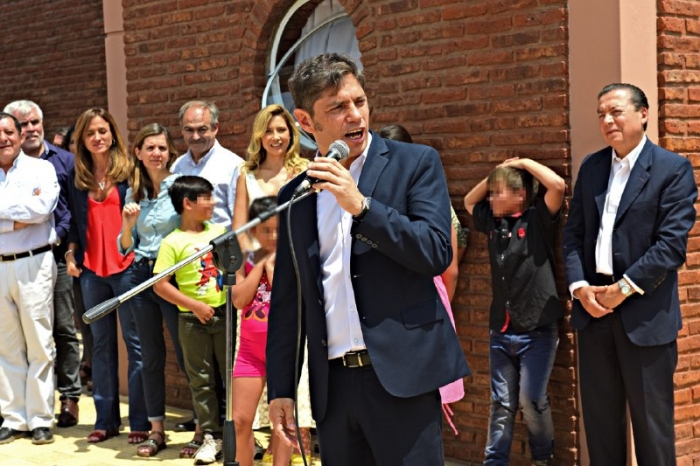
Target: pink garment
[
  {"x": 452, "y": 391},
  {"x": 250, "y": 361}
]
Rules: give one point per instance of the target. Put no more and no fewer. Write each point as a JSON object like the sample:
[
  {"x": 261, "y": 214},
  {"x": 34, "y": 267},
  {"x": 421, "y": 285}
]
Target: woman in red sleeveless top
[{"x": 102, "y": 167}]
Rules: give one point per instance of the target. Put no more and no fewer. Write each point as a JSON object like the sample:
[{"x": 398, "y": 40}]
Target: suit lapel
[
  {"x": 374, "y": 164},
  {"x": 306, "y": 238},
  {"x": 601, "y": 180},
  {"x": 637, "y": 180}
]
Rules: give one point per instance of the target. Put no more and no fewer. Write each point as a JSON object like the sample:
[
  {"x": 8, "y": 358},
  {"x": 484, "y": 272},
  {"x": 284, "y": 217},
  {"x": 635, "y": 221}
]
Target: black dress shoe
[
  {"x": 259, "y": 450},
  {"x": 187, "y": 426},
  {"x": 68, "y": 415},
  {"x": 42, "y": 436},
  {"x": 8, "y": 435}
]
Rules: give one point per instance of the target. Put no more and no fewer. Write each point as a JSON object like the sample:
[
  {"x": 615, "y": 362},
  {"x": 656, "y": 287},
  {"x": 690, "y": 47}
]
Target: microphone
[
  {"x": 338, "y": 150},
  {"x": 101, "y": 310}
]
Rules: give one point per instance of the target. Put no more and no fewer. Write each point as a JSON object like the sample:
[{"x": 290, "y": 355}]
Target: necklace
[{"x": 101, "y": 184}]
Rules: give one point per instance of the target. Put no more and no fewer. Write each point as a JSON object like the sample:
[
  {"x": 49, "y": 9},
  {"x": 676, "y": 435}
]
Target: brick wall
[
  {"x": 480, "y": 81},
  {"x": 679, "y": 131},
  {"x": 53, "y": 53}
]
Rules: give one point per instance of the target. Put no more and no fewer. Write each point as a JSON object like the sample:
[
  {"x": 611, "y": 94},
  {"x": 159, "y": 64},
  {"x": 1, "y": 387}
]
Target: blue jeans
[
  {"x": 105, "y": 359},
  {"x": 520, "y": 367},
  {"x": 150, "y": 310}
]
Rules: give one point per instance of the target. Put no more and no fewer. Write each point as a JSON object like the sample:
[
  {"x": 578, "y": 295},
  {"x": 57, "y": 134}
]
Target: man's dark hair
[
  {"x": 66, "y": 139},
  {"x": 261, "y": 205},
  {"x": 18, "y": 125},
  {"x": 188, "y": 187},
  {"x": 318, "y": 74},
  {"x": 395, "y": 133},
  {"x": 637, "y": 96}
]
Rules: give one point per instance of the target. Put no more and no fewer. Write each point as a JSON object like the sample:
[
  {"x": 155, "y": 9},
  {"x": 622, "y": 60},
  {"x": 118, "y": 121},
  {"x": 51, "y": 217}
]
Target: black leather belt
[
  {"x": 145, "y": 261},
  {"x": 22, "y": 255},
  {"x": 354, "y": 359},
  {"x": 603, "y": 280},
  {"x": 220, "y": 311}
]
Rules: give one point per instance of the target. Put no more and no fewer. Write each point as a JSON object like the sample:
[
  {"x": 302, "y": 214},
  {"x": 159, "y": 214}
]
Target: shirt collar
[
  {"x": 206, "y": 156},
  {"x": 16, "y": 161},
  {"x": 48, "y": 152},
  {"x": 363, "y": 156},
  {"x": 632, "y": 157}
]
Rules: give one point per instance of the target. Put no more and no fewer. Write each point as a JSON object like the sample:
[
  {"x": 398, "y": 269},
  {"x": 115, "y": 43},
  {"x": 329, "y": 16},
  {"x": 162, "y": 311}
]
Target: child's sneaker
[
  {"x": 267, "y": 459},
  {"x": 298, "y": 460},
  {"x": 209, "y": 452}
]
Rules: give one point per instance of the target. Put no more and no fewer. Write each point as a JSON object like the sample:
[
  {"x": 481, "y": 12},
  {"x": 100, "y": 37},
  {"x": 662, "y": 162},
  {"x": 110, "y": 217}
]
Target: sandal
[
  {"x": 189, "y": 450},
  {"x": 98, "y": 436},
  {"x": 154, "y": 444},
  {"x": 137, "y": 437}
]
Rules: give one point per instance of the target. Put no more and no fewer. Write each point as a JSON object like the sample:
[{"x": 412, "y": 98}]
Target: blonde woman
[
  {"x": 102, "y": 168},
  {"x": 273, "y": 160}
]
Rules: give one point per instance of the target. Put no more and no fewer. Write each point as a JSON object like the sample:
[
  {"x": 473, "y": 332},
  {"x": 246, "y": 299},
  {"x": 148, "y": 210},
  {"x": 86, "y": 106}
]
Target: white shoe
[{"x": 209, "y": 452}]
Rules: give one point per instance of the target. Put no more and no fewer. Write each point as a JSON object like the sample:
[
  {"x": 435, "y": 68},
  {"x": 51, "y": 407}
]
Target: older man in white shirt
[
  {"x": 205, "y": 157},
  {"x": 28, "y": 196}
]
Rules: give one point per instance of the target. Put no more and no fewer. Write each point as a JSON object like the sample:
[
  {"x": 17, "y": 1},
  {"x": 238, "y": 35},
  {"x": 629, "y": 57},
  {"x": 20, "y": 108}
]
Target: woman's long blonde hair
[
  {"x": 293, "y": 161},
  {"x": 120, "y": 165},
  {"x": 139, "y": 179}
]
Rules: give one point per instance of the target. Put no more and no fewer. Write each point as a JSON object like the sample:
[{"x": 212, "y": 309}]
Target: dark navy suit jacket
[
  {"x": 649, "y": 240},
  {"x": 402, "y": 242},
  {"x": 63, "y": 162}
]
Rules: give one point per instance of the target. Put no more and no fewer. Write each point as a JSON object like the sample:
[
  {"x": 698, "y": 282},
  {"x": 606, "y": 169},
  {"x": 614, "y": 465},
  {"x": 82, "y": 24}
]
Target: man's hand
[
  {"x": 611, "y": 296},
  {"x": 20, "y": 225},
  {"x": 336, "y": 179},
  {"x": 72, "y": 268},
  {"x": 282, "y": 418},
  {"x": 588, "y": 297}
]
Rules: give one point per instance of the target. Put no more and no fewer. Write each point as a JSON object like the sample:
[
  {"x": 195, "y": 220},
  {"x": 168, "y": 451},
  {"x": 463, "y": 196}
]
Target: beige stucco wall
[
  {"x": 116, "y": 105},
  {"x": 609, "y": 41}
]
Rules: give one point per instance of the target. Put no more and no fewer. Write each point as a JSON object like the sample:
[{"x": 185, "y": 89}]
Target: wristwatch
[
  {"x": 365, "y": 208},
  {"x": 625, "y": 288}
]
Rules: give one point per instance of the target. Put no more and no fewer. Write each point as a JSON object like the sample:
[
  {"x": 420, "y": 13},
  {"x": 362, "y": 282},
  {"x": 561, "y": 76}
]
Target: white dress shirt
[
  {"x": 335, "y": 243},
  {"x": 221, "y": 167},
  {"x": 619, "y": 175},
  {"x": 28, "y": 194}
]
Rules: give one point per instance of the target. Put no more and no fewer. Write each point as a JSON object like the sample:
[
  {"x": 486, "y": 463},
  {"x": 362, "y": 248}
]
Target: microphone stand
[{"x": 228, "y": 258}]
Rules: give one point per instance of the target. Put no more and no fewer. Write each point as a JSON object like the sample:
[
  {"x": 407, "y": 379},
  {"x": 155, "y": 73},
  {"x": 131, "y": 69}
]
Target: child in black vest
[{"x": 525, "y": 306}]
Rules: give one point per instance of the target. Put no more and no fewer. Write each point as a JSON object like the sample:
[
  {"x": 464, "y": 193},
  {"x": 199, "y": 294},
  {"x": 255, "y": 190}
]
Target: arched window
[{"x": 327, "y": 28}]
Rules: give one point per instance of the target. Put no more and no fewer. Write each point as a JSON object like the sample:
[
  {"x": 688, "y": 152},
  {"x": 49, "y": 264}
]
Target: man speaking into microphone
[{"x": 368, "y": 245}]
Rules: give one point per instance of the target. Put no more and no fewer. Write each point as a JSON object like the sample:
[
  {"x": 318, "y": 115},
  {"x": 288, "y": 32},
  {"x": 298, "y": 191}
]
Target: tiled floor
[{"x": 71, "y": 448}]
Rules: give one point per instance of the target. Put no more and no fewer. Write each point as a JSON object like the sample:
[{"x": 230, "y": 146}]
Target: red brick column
[{"x": 679, "y": 131}]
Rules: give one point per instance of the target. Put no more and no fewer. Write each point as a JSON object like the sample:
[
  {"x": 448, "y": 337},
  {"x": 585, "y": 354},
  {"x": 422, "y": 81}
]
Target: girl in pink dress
[{"x": 251, "y": 295}]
